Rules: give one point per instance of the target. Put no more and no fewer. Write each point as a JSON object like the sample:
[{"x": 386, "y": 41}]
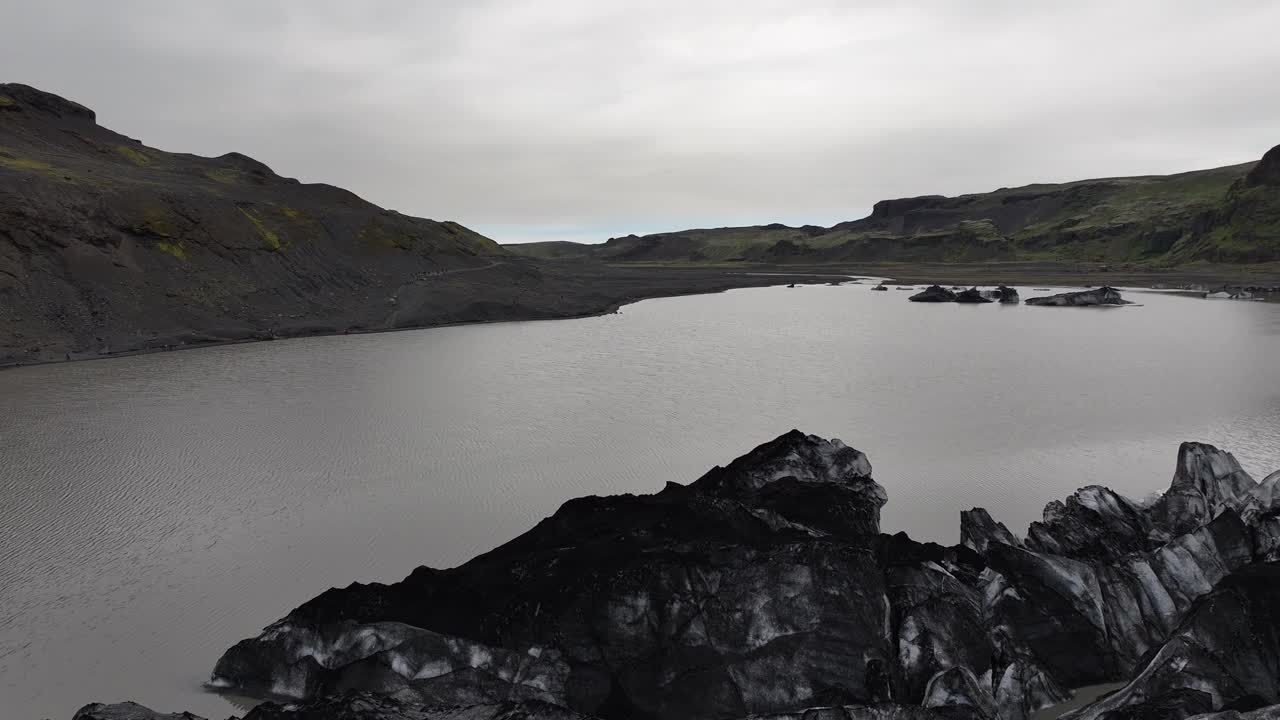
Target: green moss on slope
[
  {"x": 137, "y": 157},
  {"x": 269, "y": 236},
  {"x": 175, "y": 249}
]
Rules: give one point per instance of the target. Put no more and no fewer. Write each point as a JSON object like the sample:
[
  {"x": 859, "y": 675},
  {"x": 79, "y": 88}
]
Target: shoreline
[
  {"x": 660, "y": 281},
  {"x": 773, "y": 280}
]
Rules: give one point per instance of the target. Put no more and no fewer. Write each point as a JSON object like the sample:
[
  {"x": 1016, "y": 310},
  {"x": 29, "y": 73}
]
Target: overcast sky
[{"x": 583, "y": 119}]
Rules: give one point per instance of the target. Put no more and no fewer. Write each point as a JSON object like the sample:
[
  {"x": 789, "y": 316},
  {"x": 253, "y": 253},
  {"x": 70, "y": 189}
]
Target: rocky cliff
[
  {"x": 1245, "y": 225},
  {"x": 765, "y": 589}
]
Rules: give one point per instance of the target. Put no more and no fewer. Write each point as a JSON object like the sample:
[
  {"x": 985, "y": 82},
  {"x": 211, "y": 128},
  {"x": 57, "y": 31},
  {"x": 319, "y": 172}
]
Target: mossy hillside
[
  {"x": 144, "y": 248},
  {"x": 53, "y": 138},
  {"x": 133, "y": 155},
  {"x": 177, "y": 250},
  {"x": 269, "y": 236},
  {"x": 224, "y": 176},
  {"x": 7, "y": 160},
  {"x": 1125, "y": 220},
  {"x": 160, "y": 221},
  {"x": 11, "y": 159},
  {"x": 379, "y": 236}
]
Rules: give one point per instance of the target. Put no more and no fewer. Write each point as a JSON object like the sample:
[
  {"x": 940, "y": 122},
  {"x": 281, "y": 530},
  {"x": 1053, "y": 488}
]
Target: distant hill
[
  {"x": 107, "y": 244},
  {"x": 1227, "y": 215}
]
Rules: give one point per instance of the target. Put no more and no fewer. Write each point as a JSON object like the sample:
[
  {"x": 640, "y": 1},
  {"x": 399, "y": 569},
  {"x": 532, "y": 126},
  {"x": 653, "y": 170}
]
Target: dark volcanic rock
[
  {"x": 127, "y": 711},
  {"x": 1007, "y": 294},
  {"x": 755, "y": 589},
  {"x": 1228, "y": 648},
  {"x": 353, "y": 706},
  {"x": 1206, "y": 482},
  {"x": 1094, "y": 523},
  {"x": 1271, "y": 712},
  {"x": 940, "y": 627},
  {"x": 1024, "y": 687},
  {"x": 958, "y": 687},
  {"x": 934, "y": 293},
  {"x": 972, "y": 295},
  {"x": 878, "y": 711},
  {"x": 765, "y": 590},
  {"x": 1084, "y": 298},
  {"x": 1092, "y": 621},
  {"x": 978, "y": 530},
  {"x": 1176, "y": 705},
  {"x": 1103, "y": 581},
  {"x": 367, "y": 706}
]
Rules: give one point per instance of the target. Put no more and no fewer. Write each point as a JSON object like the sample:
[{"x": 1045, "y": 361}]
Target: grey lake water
[{"x": 156, "y": 509}]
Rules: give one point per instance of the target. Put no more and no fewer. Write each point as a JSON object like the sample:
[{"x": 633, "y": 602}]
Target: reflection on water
[{"x": 156, "y": 509}]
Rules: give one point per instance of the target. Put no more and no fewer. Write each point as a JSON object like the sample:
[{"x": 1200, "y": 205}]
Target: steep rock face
[
  {"x": 940, "y": 627},
  {"x": 899, "y": 207},
  {"x": 1023, "y": 688},
  {"x": 1267, "y": 494},
  {"x": 1087, "y": 622},
  {"x": 1102, "y": 581},
  {"x": 1207, "y": 482},
  {"x": 1245, "y": 224},
  {"x": 1266, "y": 172},
  {"x": 758, "y": 588},
  {"x": 1227, "y": 648},
  {"x": 1085, "y": 298},
  {"x": 1094, "y": 522},
  {"x": 957, "y": 687},
  {"x": 934, "y": 293}
]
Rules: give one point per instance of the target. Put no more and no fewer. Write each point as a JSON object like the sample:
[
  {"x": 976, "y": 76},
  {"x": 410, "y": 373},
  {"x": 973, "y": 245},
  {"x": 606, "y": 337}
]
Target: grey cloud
[{"x": 582, "y": 119}]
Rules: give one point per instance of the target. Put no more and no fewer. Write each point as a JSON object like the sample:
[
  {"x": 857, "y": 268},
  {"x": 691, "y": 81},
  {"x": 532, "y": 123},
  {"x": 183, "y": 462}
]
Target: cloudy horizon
[{"x": 580, "y": 120}]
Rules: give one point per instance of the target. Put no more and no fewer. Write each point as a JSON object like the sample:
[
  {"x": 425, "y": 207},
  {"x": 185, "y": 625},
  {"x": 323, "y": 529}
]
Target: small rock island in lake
[
  {"x": 934, "y": 293},
  {"x": 1084, "y": 298},
  {"x": 1006, "y": 294},
  {"x": 939, "y": 294},
  {"x": 766, "y": 590},
  {"x": 972, "y": 295}
]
